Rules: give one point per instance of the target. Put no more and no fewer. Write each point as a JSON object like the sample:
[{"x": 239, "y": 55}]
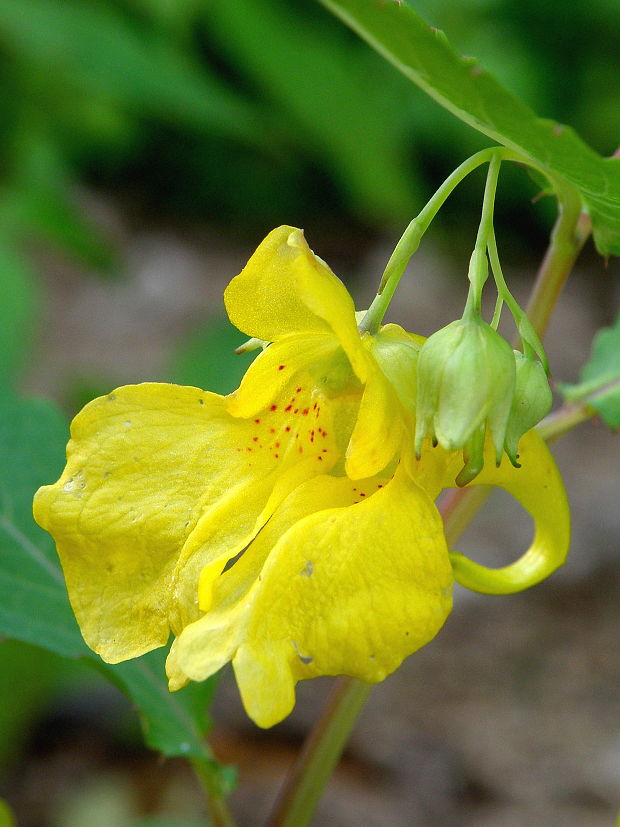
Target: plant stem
[
  {"x": 304, "y": 786},
  {"x": 559, "y": 422},
  {"x": 410, "y": 240},
  {"x": 569, "y": 234},
  {"x": 479, "y": 265},
  {"x": 217, "y": 808}
]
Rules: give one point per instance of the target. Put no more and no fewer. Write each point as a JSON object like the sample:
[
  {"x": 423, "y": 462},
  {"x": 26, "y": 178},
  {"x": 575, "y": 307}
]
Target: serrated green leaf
[
  {"x": 34, "y": 607},
  {"x": 599, "y": 384},
  {"x": 463, "y": 87},
  {"x": 33, "y": 600}
]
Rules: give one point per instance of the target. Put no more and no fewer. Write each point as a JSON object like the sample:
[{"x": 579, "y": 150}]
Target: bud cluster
[{"x": 470, "y": 381}]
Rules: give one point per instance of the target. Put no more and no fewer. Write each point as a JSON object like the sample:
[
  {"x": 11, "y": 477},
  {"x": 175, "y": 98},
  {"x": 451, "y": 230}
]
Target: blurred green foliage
[{"x": 249, "y": 110}]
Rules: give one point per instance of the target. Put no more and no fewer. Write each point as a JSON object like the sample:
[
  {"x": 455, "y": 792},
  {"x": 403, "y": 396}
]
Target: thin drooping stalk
[{"x": 303, "y": 787}]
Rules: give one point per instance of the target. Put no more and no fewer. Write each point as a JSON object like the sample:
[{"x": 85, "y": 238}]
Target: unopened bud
[
  {"x": 531, "y": 402},
  {"x": 466, "y": 379}
]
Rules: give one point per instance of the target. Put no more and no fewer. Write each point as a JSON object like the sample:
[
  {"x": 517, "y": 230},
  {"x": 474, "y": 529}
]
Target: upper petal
[{"x": 284, "y": 288}]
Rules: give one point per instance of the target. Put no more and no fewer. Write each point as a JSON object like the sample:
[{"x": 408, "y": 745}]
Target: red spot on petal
[
  {"x": 320, "y": 459},
  {"x": 323, "y": 450},
  {"x": 288, "y": 428},
  {"x": 314, "y": 406},
  {"x": 277, "y": 456},
  {"x": 281, "y": 367},
  {"x": 254, "y": 439},
  {"x": 362, "y": 494},
  {"x": 379, "y": 485},
  {"x": 355, "y": 489},
  {"x": 297, "y": 390},
  {"x": 276, "y": 445},
  {"x": 248, "y": 449},
  {"x": 257, "y": 421},
  {"x": 288, "y": 408},
  {"x": 273, "y": 408},
  {"x": 306, "y": 411},
  {"x": 296, "y": 410},
  {"x": 272, "y": 430},
  {"x": 300, "y": 449}
]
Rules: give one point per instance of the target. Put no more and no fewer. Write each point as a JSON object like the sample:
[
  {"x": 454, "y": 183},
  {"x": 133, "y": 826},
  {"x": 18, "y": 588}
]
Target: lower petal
[{"x": 351, "y": 590}]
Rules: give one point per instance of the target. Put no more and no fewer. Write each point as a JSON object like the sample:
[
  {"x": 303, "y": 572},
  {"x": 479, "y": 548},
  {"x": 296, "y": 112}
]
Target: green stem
[
  {"x": 410, "y": 240},
  {"x": 217, "y": 808},
  {"x": 559, "y": 422},
  {"x": 304, "y": 786},
  {"x": 569, "y": 234},
  {"x": 479, "y": 266}
]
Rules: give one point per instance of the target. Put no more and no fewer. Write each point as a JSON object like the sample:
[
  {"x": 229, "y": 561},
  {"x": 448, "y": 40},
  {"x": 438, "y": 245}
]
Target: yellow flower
[{"x": 287, "y": 528}]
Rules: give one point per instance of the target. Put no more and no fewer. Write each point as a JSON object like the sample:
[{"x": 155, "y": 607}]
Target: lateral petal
[{"x": 378, "y": 431}]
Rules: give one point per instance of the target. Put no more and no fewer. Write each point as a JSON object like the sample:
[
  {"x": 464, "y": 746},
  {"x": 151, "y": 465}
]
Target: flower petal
[
  {"x": 537, "y": 485},
  {"x": 284, "y": 288},
  {"x": 160, "y": 482},
  {"x": 349, "y": 589},
  {"x": 311, "y": 363},
  {"x": 378, "y": 431}
]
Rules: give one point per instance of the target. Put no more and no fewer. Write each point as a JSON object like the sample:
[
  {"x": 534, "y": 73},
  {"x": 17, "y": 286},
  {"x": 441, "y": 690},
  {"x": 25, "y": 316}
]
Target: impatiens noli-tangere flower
[{"x": 289, "y": 527}]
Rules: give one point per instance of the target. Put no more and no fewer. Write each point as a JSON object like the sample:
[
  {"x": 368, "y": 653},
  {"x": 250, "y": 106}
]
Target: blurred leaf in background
[{"x": 599, "y": 379}]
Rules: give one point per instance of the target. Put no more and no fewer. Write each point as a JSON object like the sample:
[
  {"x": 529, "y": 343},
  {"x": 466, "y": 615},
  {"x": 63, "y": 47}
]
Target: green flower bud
[
  {"x": 531, "y": 401},
  {"x": 466, "y": 379}
]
